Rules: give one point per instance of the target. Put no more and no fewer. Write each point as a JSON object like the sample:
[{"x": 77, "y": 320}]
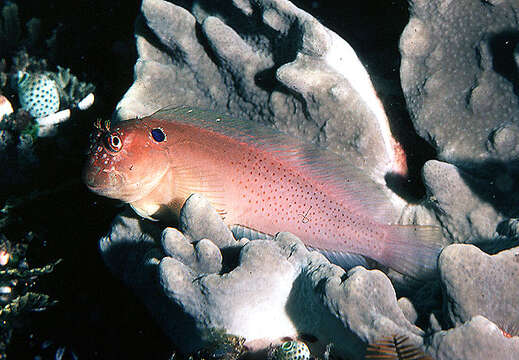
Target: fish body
[
  {"x": 292, "y": 350},
  {"x": 255, "y": 177},
  {"x": 38, "y": 94}
]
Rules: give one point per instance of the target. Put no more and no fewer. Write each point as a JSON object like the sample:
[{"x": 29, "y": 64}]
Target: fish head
[{"x": 126, "y": 161}]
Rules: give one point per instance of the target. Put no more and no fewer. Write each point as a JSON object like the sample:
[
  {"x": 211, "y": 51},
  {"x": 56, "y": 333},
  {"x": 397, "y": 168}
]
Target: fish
[
  {"x": 256, "y": 177},
  {"x": 292, "y": 350},
  {"x": 38, "y": 94}
]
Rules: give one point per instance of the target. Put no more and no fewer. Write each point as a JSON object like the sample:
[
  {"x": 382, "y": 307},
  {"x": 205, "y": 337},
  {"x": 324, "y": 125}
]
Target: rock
[
  {"x": 264, "y": 291},
  {"x": 458, "y": 71},
  {"x": 292, "y": 73},
  {"x": 477, "y": 339},
  {"x": 476, "y": 283}
]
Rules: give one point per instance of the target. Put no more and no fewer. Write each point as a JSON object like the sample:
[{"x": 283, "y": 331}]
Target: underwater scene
[{"x": 259, "y": 179}]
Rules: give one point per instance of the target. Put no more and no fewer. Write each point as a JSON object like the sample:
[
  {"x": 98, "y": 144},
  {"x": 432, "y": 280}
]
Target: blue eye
[{"x": 158, "y": 135}]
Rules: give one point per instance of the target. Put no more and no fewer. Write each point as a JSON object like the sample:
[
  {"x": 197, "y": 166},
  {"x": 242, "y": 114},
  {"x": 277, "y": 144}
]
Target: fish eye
[
  {"x": 158, "y": 135},
  {"x": 114, "y": 142}
]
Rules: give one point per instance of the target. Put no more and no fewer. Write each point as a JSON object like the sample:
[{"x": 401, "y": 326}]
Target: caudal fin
[{"x": 413, "y": 250}]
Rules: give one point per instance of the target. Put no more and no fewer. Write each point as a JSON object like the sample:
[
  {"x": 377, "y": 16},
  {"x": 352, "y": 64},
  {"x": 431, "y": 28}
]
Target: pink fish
[{"x": 255, "y": 177}]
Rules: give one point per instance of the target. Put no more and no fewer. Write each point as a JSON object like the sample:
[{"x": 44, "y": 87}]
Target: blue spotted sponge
[{"x": 38, "y": 94}]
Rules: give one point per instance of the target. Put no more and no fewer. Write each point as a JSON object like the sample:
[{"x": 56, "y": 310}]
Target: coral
[
  {"x": 18, "y": 276},
  {"x": 222, "y": 346},
  {"x": 19, "y": 131},
  {"x": 60, "y": 88},
  {"x": 13, "y": 37},
  {"x": 477, "y": 338},
  {"x": 468, "y": 219},
  {"x": 480, "y": 284},
  {"x": 10, "y": 312},
  {"x": 32, "y": 81},
  {"x": 10, "y": 30},
  {"x": 6, "y": 108},
  {"x": 458, "y": 70},
  {"x": 408, "y": 309},
  {"x": 507, "y": 237},
  {"x": 16, "y": 280},
  {"x": 72, "y": 91}
]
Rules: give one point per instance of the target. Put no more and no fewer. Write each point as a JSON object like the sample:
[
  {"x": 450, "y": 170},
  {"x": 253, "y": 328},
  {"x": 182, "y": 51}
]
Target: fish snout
[{"x": 102, "y": 181}]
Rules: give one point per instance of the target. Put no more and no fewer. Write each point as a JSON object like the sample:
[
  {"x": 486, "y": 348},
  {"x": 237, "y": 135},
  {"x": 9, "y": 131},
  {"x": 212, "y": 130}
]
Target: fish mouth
[
  {"x": 114, "y": 185},
  {"x": 111, "y": 184},
  {"x": 127, "y": 194},
  {"x": 104, "y": 183}
]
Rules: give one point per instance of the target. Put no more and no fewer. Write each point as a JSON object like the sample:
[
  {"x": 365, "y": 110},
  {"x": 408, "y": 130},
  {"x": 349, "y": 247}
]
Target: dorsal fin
[{"x": 344, "y": 181}]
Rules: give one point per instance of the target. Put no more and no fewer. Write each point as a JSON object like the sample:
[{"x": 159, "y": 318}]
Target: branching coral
[
  {"x": 9, "y": 26},
  {"x": 221, "y": 346},
  {"x": 16, "y": 277},
  {"x": 18, "y": 64},
  {"x": 15, "y": 281}
]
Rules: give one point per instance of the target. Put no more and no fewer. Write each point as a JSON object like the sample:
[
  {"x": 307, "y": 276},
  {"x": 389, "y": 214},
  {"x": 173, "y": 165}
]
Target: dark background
[{"x": 97, "y": 317}]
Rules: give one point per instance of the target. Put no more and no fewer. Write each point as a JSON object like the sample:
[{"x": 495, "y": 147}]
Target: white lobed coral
[{"x": 458, "y": 74}]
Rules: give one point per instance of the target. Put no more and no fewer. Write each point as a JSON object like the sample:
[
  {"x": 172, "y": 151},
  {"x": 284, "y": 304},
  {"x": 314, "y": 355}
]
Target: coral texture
[
  {"x": 459, "y": 76},
  {"x": 480, "y": 284},
  {"x": 464, "y": 215},
  {"x": 475, "y": 339}
]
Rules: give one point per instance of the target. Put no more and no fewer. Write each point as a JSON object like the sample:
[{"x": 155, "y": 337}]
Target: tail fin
[{"x": 413, "y": 250}]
